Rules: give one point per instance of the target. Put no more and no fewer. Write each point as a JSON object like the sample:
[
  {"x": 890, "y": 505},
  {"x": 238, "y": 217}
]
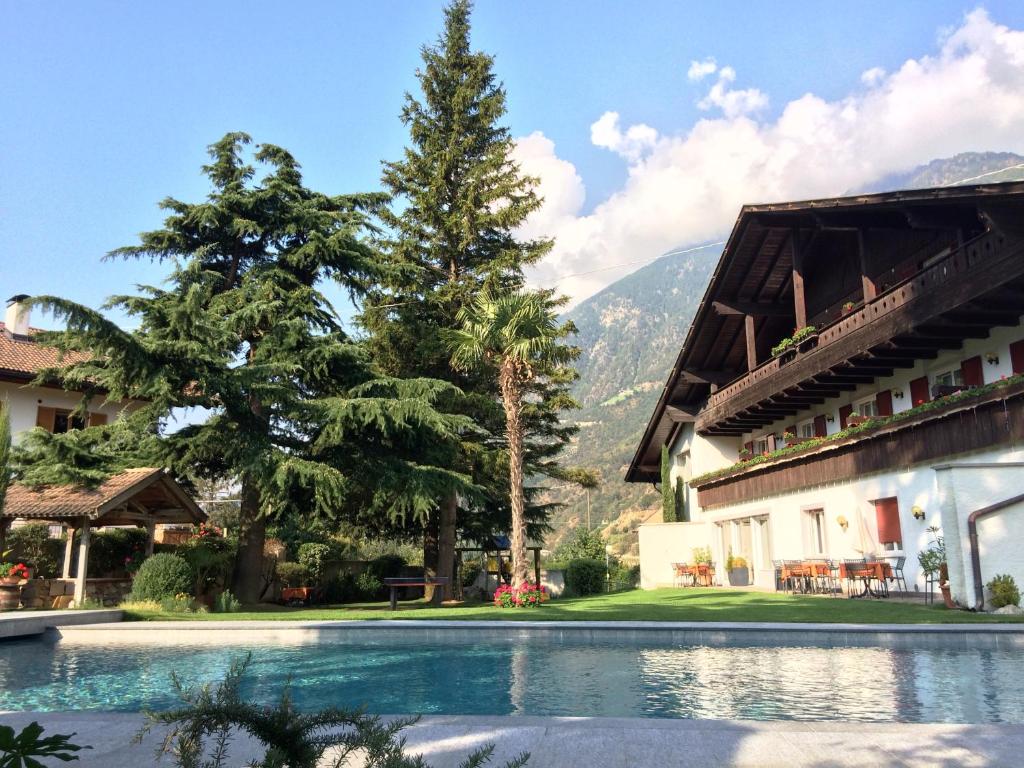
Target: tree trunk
[
  {"x": 511, "y": 396},
  {"x": 446, "y": 544},
  {"x": 247, "y": 579},
  {"x": 430, "y": 547}
]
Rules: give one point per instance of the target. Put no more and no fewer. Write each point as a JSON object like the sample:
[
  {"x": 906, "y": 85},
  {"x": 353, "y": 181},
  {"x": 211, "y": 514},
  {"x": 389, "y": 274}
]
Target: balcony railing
[{"x": 958, "y": 269}]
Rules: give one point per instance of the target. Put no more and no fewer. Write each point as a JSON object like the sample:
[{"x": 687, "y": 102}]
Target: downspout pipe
[{"x": 972, "y": 535}]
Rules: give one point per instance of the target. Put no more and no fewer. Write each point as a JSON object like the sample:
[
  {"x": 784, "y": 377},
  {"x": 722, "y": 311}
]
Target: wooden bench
[{"x": 405, "y": 581}]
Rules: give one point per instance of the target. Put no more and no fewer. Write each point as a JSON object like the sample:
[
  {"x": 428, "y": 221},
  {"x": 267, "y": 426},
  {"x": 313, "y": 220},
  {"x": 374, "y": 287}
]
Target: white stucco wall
[
  {"x": 662, "y": 544},
  {"x": 965, "y": 487},
  {"x": 24, "y": 402}
]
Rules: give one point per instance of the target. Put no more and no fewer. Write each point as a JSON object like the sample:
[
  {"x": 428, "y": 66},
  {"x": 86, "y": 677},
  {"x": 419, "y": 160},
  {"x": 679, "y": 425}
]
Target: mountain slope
[{"x": 630, "y": 334}]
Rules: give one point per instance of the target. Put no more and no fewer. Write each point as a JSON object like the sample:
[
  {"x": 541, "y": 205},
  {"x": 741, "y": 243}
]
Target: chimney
[{"x": 16, "y": 318}]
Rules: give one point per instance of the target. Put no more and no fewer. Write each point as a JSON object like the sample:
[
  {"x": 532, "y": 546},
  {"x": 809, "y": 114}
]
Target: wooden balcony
[
  {"x": 994, "y": 419},
  {"x": 962, "y": 295}
]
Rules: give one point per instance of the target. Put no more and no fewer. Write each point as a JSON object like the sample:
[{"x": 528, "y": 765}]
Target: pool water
[{"x": 528, "y": 677}]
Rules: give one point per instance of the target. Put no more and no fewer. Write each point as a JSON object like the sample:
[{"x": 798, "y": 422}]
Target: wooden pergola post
[
  {"x": 83, "y": 564},
  {"x": 536, "y": 566},
  {"x": 751, "y": 333},
  {"x": 150, "y": 536},
  {"x": 69, "y": 552},
  {"x": 799, "y": 302}
]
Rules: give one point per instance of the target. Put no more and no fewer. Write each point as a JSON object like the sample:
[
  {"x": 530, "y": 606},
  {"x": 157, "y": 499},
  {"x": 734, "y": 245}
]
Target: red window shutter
[
  {"x": 883, "y": 401},
  {"x": 919, "y": 391},
  {"x": 44, "y": 417},
  {"x": 749, "y": 446},
  {"x": 971, "y": 370},
  {"x": 1017, "y": 356},
  {"x": 887, "y": 512},
  {"x": 791, "y": 429},
  {"x": 820, "y": 428},
  {"x": 772, "y": 442},
  {"x": 844, "y": 415}
]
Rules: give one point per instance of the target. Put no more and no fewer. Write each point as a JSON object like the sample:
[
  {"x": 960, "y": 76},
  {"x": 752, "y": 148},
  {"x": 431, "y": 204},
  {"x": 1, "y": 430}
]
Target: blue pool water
[{"x": 549, "y": 677}]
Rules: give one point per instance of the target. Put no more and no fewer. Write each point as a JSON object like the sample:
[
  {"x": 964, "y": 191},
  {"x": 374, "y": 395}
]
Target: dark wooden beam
[
  {"x": 866, "y": 279},
  {"x": 699, "y": 376},
  {"x": 983, "y": 317},
  {"x": 755, "y": 308},
  {"x": 825, "y": 390},
  {"x": 916, "y": 341},
  {"x": 950, "y": 331},
  {"x": 681, "y": 414},
  {"x": 945, "y": 218},
  {"x": 841, "y": 378}
]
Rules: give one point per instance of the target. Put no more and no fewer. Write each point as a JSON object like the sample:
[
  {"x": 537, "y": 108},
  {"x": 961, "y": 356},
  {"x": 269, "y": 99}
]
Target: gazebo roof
[{"x": 146, "y": 494}]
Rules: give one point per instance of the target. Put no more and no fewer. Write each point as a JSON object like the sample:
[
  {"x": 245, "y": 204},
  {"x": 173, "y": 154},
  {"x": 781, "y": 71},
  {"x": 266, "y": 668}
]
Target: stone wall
[{"x": 58, "y": 593}]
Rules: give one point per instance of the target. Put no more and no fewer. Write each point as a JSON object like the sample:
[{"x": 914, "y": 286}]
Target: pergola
[{"x": 144, "y": 497}]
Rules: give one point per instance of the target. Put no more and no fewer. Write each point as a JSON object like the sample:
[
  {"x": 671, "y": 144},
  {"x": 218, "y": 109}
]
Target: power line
[{"x": 983, "y": 175}]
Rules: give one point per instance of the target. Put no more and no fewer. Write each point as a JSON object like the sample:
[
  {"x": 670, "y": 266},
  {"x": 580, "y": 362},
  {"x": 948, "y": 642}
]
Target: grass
[{"x": 653, "y": 605}]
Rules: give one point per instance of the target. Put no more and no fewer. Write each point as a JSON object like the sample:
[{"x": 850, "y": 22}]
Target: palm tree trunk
[{"x": 512, "y": 399}]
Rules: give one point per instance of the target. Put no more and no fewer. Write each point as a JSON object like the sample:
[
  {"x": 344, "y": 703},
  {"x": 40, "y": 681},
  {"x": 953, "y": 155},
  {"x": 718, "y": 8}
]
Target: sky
[{"x": 648, "y": 124}]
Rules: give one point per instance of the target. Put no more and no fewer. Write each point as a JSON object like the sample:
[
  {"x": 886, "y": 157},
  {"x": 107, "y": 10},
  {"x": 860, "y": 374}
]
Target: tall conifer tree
[{"x": 457, "y": 199}]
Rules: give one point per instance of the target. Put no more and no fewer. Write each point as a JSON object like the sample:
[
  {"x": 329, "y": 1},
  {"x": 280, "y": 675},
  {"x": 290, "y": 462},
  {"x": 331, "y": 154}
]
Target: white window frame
[
  {"x": 872, "y": 406},
  {"x": 760, "y": 445},
  {"x": 805, "y": 429},
  {"x": 813, "y": 525},
  {"x": 956, "y": 375}
]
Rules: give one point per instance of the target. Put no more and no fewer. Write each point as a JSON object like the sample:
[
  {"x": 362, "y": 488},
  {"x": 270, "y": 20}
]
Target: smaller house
[{"x": 144, "y": 497}]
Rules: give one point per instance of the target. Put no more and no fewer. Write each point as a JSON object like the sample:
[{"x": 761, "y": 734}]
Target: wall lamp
[
  {"x": 898, "y": 394},
  {"x": 830, "y": 418},
  {"x": 992, "y": 358}
]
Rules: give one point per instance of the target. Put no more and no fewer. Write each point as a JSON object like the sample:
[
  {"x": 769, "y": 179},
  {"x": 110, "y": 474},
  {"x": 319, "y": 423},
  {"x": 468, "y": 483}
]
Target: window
[
  {"x": 814, "y": 531},
  {"x": 868, "y": 408},
  {"x": 63, "y": 421},
  {"x": 805, "y": 429},
  {"x": 951, "y": 378},
  {"x": 760, "y": 445},
  {"x": 887, "y": 514}
]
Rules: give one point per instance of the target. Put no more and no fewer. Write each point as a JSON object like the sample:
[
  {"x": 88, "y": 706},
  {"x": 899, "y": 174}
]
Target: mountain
[{"x": 630, "y": 334}]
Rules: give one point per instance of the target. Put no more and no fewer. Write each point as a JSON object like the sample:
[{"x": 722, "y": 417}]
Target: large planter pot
[
  {"x": 807, "y": 343},
  {"x": 739, "y": 577},
  {"x": 10, "y": 597}
]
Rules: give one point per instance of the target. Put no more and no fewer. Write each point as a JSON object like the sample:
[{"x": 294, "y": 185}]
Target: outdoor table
[
  {"x": 874, "y": 569},
  {"x": 684, "y": 574},
  {"x": 405, "y": 581}
]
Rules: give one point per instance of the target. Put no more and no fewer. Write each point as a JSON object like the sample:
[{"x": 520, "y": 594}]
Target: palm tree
[{"x": 518, "y": 335}]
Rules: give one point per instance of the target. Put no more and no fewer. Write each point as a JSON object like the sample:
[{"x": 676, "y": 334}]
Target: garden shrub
[
  {"x": 369, "y": 586},
  {"x": 585, "y": 576},
  {"x": 111, "y": 550},
  {"x": 162, "y": 576},
  {"x": 31, "y": 544},
  {"x": 181, "y": 603},
  {"x": 621, "y": 577},
  {"x": 341, "y": 589},
  {"x": 226, "y": 602},
  {"x": 584, "y": 544},
  {"x": 317, "y": 555},
  {"x": 292, "y": 574},
  {"x": 1004, "y": 591},
  {"x": 211, "y": 558},
  {"x": 469, "y": 574},
  {"x": 386, "y": 567}
]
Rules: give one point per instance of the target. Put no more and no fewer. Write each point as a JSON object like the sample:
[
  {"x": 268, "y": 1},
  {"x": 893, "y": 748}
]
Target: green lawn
[{"x": 637, "y": 605}]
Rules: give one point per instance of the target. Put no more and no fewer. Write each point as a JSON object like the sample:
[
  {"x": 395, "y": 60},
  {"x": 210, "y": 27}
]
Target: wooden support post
[
  {"x": 69, "y": 552},
  {"x": 870, "y": 289},
  {"x": 536, "y": 567},
  {"x": 150, "y": 537},
  {"x": 83, "y": 564},
  {"x": 748, "y": 323},
  {"x": 799, "y": 302}
]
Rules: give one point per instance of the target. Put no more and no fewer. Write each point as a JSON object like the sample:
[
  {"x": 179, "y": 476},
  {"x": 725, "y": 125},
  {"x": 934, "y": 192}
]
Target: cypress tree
[
  {"x": 457, "y": 198},
  {"x": 682, "y": 512},
  {"x": 668, "y": 499}
]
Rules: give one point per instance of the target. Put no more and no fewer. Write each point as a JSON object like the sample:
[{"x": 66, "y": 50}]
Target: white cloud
[
  {"x": 687, "y": 187},
  {"x": 700, "y": 69}
]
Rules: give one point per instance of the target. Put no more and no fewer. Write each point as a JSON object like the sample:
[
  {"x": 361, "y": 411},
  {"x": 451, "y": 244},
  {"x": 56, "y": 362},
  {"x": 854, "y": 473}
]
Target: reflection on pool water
[{"x": 549, "y": 677}]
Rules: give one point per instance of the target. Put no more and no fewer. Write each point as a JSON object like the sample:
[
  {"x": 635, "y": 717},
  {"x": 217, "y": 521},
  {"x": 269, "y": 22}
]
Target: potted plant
[
  {"x": 805, "y": 338},
  {"x": 784, "y": 346},
  {"x": 933, "y": 561},
  {"x": 13, "y": 573},
  {"x": 294, "y": 577},
  {"x": 848, "y": 307},
  {"x": 744, "y": 454},
  {"x": 736, "y": 567}
]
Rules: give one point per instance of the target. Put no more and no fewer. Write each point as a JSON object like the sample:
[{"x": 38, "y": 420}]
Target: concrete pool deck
[
  {"x": 565, "y": 742},
  {"x": 28, "y": 623}
]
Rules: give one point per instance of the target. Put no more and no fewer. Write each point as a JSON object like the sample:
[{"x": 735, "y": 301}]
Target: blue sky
[{"x": 108, "y": 107}]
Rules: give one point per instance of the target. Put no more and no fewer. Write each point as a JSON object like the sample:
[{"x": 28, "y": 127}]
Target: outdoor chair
[
  {"x": 897, "y": 573},
  {"x": 820, "y": 575},
  {"x": 797, "y": 583},
  {"x": 682, "y": 576},
  {"x": 780, "y": 586}
]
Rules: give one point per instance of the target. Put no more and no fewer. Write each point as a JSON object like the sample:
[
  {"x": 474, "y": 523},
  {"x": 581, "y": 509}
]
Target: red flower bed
[{"x": 520, "y": 597}]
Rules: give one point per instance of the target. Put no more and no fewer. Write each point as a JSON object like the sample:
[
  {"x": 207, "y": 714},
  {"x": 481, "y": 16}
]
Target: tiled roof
[
  {"x": 23, "y": 356},
  {"x": 57, "y": 502}
]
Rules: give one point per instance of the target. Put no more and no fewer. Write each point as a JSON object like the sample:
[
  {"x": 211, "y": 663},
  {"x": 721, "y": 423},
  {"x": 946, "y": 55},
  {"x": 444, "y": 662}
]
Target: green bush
[
  {"x": 386, "y": 567},
  {"x": 1004, "y": 591},
  {"x": 369, "y": 586},
  {"x": 584, "y": 545},
  {"x": 470, "y": 573},
  {"x": 211, "y": 559},
  {"x": 32, "y": 545},
  {"x": 181, "y": 603},
  {"x": 341, "y": 589},
  {"x": 292, "y": 574},
  {"x": 316, "y": 556},
  {"x": 585, "y": 576},
  {"x": 109, "y": 550},
  {"x": 163, "y": 576},
  {"x": 225, "y": 602},
  {"x": 622, "y": 577}
]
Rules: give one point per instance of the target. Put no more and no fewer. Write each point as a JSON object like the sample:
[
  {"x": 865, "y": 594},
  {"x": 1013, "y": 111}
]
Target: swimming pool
[{"x": 411, "y": 673}]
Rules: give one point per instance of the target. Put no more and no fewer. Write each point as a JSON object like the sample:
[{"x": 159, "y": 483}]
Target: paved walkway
[
  {"x": 27, "y": 623},
  {"x": 619, "y": 742}
]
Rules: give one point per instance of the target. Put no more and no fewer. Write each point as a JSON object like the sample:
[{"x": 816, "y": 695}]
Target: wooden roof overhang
[
  {"x": 134, "y": 497},
  {"x": 754, "y": 278}
]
